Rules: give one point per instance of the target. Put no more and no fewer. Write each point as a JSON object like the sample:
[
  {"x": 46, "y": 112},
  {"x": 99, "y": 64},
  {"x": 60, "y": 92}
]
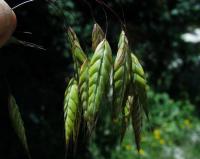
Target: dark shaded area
[{"x": 38, "y": 78}]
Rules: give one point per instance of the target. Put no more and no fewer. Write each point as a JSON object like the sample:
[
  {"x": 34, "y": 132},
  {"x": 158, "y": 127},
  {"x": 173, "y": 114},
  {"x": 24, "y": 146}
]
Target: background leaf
[{"x": 17, "y": 123}]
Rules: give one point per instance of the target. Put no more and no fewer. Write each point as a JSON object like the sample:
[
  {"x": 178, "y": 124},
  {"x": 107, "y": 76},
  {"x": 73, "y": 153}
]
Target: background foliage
[{"x": 38, "y": 78}]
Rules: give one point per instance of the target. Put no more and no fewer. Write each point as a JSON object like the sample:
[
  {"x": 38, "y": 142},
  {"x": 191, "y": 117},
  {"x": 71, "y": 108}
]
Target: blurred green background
[{"x": 164, "y": 34}]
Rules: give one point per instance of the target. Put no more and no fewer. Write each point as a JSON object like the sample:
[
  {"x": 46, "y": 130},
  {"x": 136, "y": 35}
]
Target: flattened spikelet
[
  {"x": 71, "y": 102},
  {"x": 139, "y": 105},
  {"x": 17, "y": 123},
  {"x": 136, "y": 66},
  {"x": 121, "y": 74},
  {"x": 139, "y": 82},
  {"x": 99, "y": 74},
  {"x": 136, "y": 116},
  {"x": 77, "y": 51},
  {"x": 97, "y": 36},
  {"x": 84, "y": 85},
  {"x": 126, "y": 116}
]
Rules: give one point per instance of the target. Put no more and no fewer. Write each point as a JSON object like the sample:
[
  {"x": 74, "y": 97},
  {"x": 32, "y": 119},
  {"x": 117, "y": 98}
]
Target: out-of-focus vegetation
[
  {"x": 38, "y": 79},
  {"x": 174, "y": 133}
]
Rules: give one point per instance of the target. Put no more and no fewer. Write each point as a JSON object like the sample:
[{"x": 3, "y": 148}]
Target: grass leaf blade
[{"x": 17, "y": 123}]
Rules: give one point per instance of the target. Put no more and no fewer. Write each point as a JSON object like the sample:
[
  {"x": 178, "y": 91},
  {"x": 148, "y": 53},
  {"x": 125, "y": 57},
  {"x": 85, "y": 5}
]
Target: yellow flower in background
[
  {"x": 187, "y": 123},
  {"x": 162, "y": 141},
  {"x": 156, "y": 134},
  {"x": 128, "y": 147},
  {"x": 141, "y": 152}
]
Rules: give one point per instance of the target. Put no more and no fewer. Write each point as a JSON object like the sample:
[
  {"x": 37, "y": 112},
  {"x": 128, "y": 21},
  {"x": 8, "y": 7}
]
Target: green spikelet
[
  {"x": 120, "y": 81},
  {"x": 136, "y": 66},
  {"x": 84, "y": 85},
  {"x": 136, "y": 116},
  {"x": 121, "y": 38},
  {"x": 17, "y": 122},
  {"x": 139, "y": 101},
  {"x": 71, "y": 102},
  {"x": 77, "y": 51},
  {"x": 97, "y": 36},
  {"x": 99, "y": 75},
  {"x": 139, "y": 82},
  {"x": 126, "y": 116}
]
